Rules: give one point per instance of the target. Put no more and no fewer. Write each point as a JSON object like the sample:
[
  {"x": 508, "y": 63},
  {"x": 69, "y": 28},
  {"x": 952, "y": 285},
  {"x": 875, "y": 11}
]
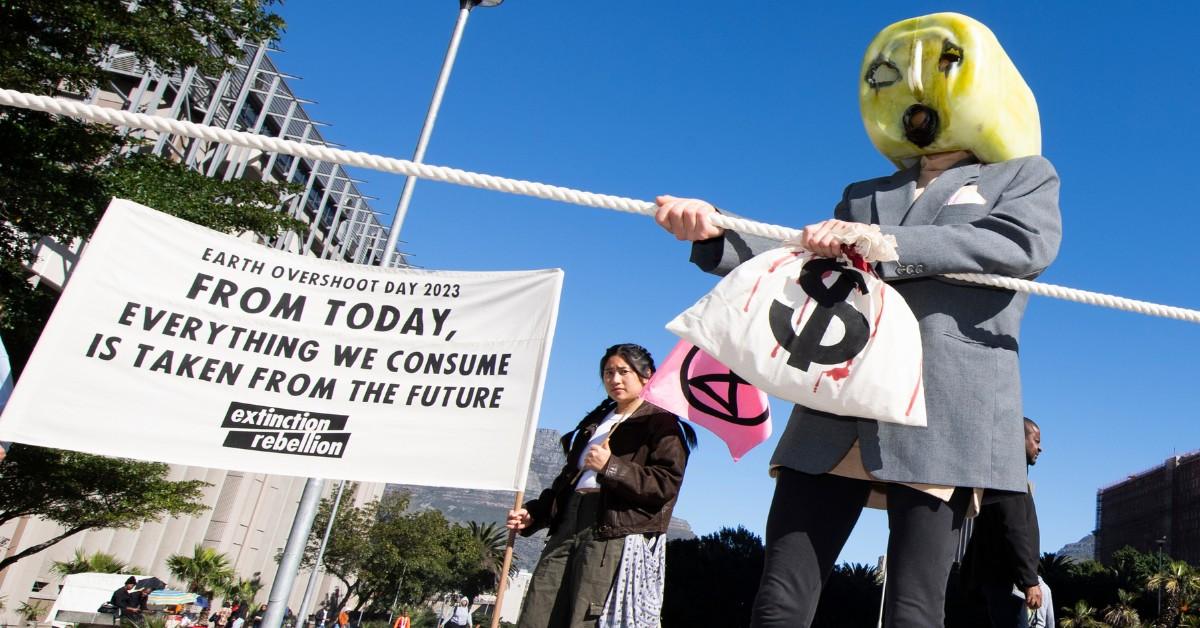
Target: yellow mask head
[{"x": 940, "y": 83}]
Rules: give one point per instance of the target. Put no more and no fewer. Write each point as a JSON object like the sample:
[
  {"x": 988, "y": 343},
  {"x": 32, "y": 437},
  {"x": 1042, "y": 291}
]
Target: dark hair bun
[{"x": 635, "y": 355}]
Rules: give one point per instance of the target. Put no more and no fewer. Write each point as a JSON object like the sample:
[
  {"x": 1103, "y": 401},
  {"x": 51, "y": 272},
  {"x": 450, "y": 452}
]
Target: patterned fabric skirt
[{"x": 637, "y": 594}]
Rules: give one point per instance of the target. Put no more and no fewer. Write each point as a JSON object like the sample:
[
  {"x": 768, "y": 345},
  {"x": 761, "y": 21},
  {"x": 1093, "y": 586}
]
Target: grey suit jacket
[{"x": 970, "y": 334}]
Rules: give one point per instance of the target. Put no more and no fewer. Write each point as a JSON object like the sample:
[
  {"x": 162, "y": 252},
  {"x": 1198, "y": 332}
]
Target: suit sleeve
[
  {"x": 1019, "y": 526},
  {"x": 1018, "y": 238},
  {"x": 654, "y": 483},
  {"x": 1028, "y": 565},
  {"x": 723, "y": 253}
]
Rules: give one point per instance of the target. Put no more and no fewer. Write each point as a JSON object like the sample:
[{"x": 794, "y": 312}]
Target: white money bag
[{"x": 827, "y": 334}]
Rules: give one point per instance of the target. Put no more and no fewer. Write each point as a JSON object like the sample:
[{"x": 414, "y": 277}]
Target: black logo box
[
  {"x": 319, "y": 444},
  {"x": 247, "y": 416}
]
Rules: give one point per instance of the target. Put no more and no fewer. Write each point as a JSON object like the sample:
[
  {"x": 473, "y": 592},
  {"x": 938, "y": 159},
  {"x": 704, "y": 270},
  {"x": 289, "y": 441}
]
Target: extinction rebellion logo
[{"x": 279, "y": 430}]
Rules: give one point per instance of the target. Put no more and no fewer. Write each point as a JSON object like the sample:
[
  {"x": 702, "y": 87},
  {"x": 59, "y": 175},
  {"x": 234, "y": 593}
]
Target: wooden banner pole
[{"x": 508, "y": 553}]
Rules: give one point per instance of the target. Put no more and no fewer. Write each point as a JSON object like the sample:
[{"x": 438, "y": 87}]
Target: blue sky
[{"x": 754, "y": 106}]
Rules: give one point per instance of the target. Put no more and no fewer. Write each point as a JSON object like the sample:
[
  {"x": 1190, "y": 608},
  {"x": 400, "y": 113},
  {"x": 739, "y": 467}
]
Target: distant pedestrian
[
  {"x": 322, "y": 615},
  {"x": 128, "y": 601},
  {"x": 220, "y": 619},
  {"x": 460, "y": 617},
  {"x": 403, "y": 621},
  {"x": 1002, "y": 557},
  {"x": 343, "y": 619}
]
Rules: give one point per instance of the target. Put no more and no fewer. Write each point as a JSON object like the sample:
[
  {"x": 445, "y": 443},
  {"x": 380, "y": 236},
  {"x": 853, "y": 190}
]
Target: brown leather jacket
[{"x": 638, "y": 486}]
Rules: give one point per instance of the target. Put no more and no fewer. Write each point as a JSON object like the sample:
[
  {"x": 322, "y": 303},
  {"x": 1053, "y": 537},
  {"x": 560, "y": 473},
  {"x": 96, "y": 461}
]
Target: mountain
[
  {"x": 462, "y": 505},
  {"x": 1081, "y": 550}
]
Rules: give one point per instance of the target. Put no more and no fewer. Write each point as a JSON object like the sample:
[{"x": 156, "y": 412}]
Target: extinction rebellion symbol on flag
[
  {"x": 717, "y": 391},
  {"x": 295, "y": 432},
  {"x": 695, "y": 386}
]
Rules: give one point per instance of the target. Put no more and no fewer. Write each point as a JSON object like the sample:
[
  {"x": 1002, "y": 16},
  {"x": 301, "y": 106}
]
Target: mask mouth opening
[{"x": 920, "y": 125}]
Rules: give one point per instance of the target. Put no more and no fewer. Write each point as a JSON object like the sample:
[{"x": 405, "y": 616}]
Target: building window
[{"x": 38, "y": 585}]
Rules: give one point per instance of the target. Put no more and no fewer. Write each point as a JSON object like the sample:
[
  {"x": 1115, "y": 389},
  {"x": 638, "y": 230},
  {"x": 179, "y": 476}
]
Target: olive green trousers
[{"x": 575, "y": 573}]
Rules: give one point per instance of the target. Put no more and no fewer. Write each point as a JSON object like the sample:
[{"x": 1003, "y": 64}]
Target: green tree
[
  {"x": 493, "y": 537},
  {"x": 1122, "y": 614},
  {"x": 381, "y": 552},
  {"x": 56, "y": 174},
  {"x": 1082, "y": 615},
  {"x": 712, "y": 580},
  {"x": 850, "y": 597},
  {"x": 32, "y": 611},
  {"x": 473, "y": 568},
  {"x": 84, "y": 492},
  {"x": 206, "y": 571},
  {"x": 98, "y": 562},
  {"x": 1132, "y": 568},
  {"x": 1181, "y": 586},
  {"x": 245, "y": 590},
  {"x": 348, "y": 547},
  {"x": 1054, "y": 568}
]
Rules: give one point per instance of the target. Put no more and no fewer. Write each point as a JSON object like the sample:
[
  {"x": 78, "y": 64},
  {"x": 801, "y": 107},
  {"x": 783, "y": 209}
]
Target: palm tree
[
  {"x": 1054, "y": 568},
  {"x": 31, "y": 611},
  {"x": 96, "y": 563},
  {"x": 1082, "y": 616},
  {"x": 1181, "y": 583},
  {"x": 1122, "y": 614},
  {"x": 494, "y": 540},
  {"x": 205, "y": 571},
  {"x": 243, "y": 590}
]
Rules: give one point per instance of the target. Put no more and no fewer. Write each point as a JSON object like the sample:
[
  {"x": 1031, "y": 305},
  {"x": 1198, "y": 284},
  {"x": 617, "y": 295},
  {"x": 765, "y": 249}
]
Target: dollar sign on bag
[{"x": 805, "y": 348}]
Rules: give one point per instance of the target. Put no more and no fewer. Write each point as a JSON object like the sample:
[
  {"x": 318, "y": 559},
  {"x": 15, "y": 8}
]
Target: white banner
[{"x": 176, "y": 343}]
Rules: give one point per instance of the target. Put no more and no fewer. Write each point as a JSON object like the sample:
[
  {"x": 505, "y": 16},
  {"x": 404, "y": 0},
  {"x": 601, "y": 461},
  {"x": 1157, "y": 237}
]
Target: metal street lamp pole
[
  {"x": 1160, "y": 542},
  {"x": 289, "y": 563},
  {"x": 464, "y": 12},
  {"x": 286, "y": 576},
  {"x": 302, "y": 614}
]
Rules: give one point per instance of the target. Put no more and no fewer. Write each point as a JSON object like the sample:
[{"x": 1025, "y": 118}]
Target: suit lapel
[
  {"x": 893, "y": 199},
  {"x": 929, "y": 205}
]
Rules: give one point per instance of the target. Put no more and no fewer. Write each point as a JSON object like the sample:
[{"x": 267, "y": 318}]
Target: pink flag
[{"x": 697, "y": 387}]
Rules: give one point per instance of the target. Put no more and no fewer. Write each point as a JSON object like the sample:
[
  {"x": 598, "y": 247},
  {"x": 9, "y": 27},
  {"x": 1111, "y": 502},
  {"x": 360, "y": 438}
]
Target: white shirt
[{"x": 587, "y": 479}]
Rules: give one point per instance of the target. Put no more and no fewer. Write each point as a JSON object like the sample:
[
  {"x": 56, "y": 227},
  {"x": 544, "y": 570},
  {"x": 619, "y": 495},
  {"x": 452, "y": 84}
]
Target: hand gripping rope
[{"x": 93, "y": 113}]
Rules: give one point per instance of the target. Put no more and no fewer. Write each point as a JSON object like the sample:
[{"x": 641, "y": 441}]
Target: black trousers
[{"x": 811, "y": 518}]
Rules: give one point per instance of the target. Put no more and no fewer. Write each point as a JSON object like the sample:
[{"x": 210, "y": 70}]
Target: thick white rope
[{"x": 116, "y": 117}]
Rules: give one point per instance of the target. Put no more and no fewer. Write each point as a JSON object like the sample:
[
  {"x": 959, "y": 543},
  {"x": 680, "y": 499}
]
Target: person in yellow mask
[{"x": 943, "y": 102}]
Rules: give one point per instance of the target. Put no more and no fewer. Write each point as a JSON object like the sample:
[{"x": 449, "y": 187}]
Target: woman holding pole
[{"x": 609, "y": 508}]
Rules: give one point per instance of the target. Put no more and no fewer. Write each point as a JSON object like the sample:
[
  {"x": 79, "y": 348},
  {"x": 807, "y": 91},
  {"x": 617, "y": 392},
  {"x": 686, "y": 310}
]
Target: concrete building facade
[{"x": 1156, "y": 509}]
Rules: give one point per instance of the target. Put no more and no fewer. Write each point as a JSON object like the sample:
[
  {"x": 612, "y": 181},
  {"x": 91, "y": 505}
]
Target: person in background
[
  {"x": 220, "y": 618},
  {"x": 257, "y": 619},
  {"x": 321, "y": 617},
  {"x": 460, "y": 617},
  {"x": 128, "y": 601},
  {"x": 609, "y": 508},
  {"x": 1001, "y": 560}
]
